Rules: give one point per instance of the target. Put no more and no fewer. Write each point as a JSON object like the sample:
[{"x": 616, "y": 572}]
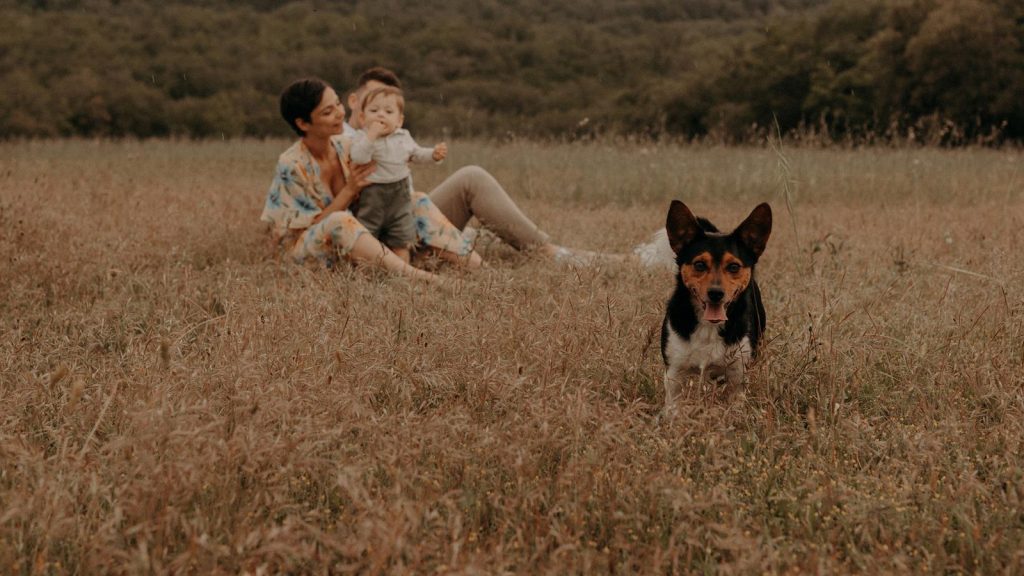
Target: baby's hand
[
  {"x": 440, "y": 152},
  {"x": 376, "y": 129}
]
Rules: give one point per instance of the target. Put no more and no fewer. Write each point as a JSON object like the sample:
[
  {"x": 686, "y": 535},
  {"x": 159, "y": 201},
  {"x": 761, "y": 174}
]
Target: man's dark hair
[
  {"x": 299, "y": 100},
  {"x": 380, "y": 74}
]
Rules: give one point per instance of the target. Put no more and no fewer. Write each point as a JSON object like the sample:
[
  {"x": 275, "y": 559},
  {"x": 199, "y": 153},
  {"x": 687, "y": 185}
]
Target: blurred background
[{"x": 946, "y": 72}]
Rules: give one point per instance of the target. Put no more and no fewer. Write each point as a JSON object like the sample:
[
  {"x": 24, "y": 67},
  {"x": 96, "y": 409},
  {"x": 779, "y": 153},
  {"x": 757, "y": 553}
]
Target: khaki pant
[{"x": 472, "y": 191}]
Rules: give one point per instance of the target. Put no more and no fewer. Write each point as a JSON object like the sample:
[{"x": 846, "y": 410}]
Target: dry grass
[{"x": 174, "y": 399}]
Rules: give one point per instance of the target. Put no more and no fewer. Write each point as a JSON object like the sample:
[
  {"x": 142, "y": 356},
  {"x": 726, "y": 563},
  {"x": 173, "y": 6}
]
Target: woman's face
[{"x": 327, "y": 119}]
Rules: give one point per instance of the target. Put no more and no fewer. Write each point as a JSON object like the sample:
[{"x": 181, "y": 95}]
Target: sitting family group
[{"x": 344, "y": 189}]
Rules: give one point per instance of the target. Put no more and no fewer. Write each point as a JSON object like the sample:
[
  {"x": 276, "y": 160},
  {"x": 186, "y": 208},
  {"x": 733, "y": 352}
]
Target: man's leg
[{"x": 472, "y": 191}]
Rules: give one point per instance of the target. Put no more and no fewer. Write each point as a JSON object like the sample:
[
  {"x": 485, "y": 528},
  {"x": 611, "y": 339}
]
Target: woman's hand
[
  {"x": 358, "y": 179},
  {"x": 360, "y": 176}
]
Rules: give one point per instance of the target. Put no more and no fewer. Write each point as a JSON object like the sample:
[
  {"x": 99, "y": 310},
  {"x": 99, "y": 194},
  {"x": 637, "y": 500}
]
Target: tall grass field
[{"x": 176, "y": 398}]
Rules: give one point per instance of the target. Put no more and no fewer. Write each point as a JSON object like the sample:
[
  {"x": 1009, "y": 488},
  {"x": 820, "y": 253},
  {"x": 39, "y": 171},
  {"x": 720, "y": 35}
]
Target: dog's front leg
[
  {"x": 734, "y": 373},
  {"x": 736, "y": 368},
  {"x": 673, "y": 383}
]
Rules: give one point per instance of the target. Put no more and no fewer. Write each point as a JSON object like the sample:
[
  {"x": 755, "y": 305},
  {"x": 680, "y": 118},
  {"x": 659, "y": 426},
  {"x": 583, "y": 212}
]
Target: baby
[{"x": 385, "y": 206}]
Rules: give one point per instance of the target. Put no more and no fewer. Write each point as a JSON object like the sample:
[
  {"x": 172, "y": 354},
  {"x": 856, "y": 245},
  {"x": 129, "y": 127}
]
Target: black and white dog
[{"x": 715, "y": 318}]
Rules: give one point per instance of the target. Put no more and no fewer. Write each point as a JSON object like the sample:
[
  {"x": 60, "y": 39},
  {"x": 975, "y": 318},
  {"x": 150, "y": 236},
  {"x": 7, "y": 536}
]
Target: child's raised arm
[{"x": 423, "y": 155}]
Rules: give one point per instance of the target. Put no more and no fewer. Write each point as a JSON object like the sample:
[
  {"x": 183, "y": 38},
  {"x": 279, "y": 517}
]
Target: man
[{"x": 372, "y": 79}]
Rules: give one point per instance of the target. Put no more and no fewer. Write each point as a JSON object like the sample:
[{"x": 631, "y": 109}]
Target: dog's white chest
[{"x": 705, "y": 349}]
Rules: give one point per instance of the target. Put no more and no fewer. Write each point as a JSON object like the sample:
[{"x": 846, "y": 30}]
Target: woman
[{"x": 308, "y": 201}]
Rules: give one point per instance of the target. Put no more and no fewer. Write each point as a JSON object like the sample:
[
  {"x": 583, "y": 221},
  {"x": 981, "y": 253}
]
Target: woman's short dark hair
[{"x": 299, "y": 100}]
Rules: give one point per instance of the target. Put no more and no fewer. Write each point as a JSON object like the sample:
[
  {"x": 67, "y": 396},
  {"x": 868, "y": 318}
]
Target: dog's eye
[
  {"x": 700, "y": 266},
  {"x": 733, "y": 268}
]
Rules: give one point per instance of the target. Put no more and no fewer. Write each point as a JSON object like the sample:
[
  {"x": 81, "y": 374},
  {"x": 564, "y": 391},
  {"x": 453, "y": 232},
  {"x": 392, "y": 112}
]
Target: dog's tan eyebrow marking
[
  {"x": 704, "y": 257},
  {"x": 691, "y": 276},
  {"x": 729, "y": 258},
  {"x": 734, "y": 283}
]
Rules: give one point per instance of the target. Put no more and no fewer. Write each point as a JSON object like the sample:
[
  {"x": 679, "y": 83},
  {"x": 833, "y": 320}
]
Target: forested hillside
[{"x": 945, "y": 71}]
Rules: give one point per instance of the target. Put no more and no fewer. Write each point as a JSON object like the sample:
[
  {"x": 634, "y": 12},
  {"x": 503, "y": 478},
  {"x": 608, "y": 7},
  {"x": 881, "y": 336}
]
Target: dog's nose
[{"x": 716, "y": 294}]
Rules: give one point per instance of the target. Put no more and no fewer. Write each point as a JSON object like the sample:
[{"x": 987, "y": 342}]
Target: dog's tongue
[{"x": 714, "y": 313}]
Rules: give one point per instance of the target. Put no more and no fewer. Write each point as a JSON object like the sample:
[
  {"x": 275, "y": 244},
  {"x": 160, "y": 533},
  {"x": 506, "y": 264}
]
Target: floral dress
[{"x": 297, "y": 195}]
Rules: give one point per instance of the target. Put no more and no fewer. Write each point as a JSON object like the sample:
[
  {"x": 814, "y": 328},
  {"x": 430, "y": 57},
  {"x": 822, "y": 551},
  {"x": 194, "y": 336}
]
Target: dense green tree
[
  {"x": 728, "y": 69},
  {"x": 963, "y": 60},
  {"x": 27, "y": 107}
]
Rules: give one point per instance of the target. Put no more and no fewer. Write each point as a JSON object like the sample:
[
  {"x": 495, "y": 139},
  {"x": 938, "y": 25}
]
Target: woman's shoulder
[
  {"x": 342, "y": 144},
  {"x": 294, "y": 154}
]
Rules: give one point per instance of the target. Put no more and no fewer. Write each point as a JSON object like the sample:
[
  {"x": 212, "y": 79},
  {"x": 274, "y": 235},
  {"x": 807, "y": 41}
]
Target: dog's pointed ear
[
  {"x": 681, "y": 225},
  {"x": 754, "y": 231}
]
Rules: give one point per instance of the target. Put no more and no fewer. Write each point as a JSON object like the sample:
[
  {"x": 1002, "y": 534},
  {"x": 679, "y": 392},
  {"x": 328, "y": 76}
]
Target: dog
[{"x": 714, "y": 319}]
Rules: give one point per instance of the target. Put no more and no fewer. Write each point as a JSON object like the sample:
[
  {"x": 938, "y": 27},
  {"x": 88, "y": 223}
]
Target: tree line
[{"x": 937, "y": 71}]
